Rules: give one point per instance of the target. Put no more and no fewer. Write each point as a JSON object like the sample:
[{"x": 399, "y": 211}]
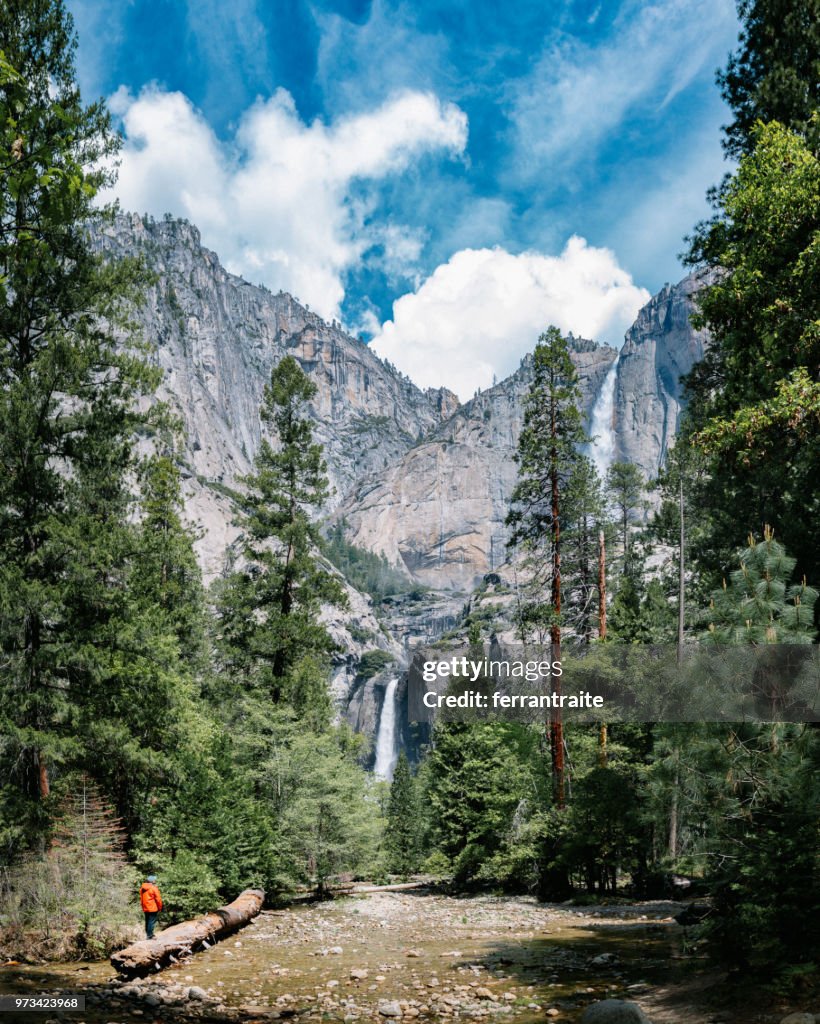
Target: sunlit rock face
[
  {"x": 439, "y": 510},
  {"x": 660, "y": 348},
  {"x": 216, "y": 339}
]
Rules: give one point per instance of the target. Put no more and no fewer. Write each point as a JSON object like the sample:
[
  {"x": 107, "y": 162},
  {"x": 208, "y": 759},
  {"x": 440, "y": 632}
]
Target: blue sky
[{"x": 442, "y": 177}]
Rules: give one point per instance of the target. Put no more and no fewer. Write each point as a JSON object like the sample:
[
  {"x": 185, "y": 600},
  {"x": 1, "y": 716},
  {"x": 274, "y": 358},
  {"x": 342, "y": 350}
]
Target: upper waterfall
[{"x": 602, "y": 448}]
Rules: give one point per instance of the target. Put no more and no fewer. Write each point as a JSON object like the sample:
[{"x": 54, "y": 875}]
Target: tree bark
[
  {"x": 602, "y": 729},
  {"x": 672, "y": 847},
  {"x": 557, "y": 717},
  {"x": 601, "y": 586},
  {"x": 681, "y": 574},
  {"x": 189, "y": 936}
]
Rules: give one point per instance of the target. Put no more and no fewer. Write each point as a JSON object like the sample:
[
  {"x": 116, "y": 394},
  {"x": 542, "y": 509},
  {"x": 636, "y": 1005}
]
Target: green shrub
[
  {"x": 373, "y": 662},
  {"x": 189, "y": 888}
]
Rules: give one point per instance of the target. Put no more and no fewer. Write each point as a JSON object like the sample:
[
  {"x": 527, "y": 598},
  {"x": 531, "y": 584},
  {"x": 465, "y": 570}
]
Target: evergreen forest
[{"x": 150, "y": 724}]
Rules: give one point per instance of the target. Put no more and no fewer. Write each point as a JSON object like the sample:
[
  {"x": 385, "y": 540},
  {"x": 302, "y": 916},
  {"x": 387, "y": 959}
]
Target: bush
[
  {"x": 373, "y": 662},
  {"x": 437, "y": 865},
  {"x": 189, "y": 888},
  {"x": 75, "y": 899}
]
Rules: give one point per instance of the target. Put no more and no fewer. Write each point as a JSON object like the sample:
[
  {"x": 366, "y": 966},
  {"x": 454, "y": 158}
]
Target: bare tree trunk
[
  {"x": 601, "y": 586},
  {"x": 42, "y": 776},
  {"x": 673, "y": 817},
  {"x": 602, "y": 729},
  {"x": 681, "y": 574},
  {"x": 557, "y": 718},
  {"x": 183, "y": 939}
]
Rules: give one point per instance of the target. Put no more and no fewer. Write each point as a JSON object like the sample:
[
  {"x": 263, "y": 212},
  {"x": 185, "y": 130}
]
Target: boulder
[
  {"x": 693, "y": 914},
  {"x": 614, "y": 1011}
]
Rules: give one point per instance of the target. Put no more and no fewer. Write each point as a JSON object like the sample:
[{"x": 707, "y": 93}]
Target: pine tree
[
  {"x": 270, "y": 610},
  {"x": 584, "y": 516},
  {"x": 475, "y": 782},
  {"x": 775, "y": 73},
  {"x": 548, "y": 458},
  {"x": 625, "y": 488},
  {"x": 165, "y": 574},
  {"x": 66, "y": 396},
  {"x": 754, "y": 400},
  {"x": 402, "y": 837},
  {"x": 759, "y": 605}
]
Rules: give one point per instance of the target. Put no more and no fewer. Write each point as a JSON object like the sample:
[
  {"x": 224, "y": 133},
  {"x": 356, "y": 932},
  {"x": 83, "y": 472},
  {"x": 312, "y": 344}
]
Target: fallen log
[
  {"x": 185, "y": 938},
  {"x": 395, "y": 887},
  {"x": 353, "y": 889}
]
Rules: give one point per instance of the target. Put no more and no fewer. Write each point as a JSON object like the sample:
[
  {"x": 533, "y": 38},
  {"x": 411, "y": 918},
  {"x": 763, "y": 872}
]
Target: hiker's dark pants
[{"x": 150, "y": 922}]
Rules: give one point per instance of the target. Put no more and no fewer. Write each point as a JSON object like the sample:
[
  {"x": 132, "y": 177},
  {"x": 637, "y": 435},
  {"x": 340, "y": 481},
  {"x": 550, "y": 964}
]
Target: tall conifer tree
[
  {"x": 270, "y": 610},
  {"x": 549, "y": 457},
  {"x": 66, "y": 395}
]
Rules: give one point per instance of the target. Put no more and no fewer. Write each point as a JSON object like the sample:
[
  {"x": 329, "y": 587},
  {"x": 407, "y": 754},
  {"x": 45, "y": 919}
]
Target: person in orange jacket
[{"x": 151, "y": 901}]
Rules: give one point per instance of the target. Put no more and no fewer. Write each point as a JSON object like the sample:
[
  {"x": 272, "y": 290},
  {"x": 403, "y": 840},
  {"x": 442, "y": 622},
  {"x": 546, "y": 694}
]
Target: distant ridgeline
[{"x": 390, "y": 446}]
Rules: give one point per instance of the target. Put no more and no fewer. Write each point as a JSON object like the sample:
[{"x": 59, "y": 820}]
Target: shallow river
[{"x": 394, "y": 956}]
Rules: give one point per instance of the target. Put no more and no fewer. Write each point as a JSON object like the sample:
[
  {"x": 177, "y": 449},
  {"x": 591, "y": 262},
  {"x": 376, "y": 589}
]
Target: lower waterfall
[
  {"x": 602, "y": 448},
  {"x": 386, "y": 748}
]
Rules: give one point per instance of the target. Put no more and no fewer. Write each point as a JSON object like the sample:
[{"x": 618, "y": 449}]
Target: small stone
[
  {"x": 389, "y": 1008},
  {"x": 413, "y": 953},
  {"x": 197, "y": 994},
  {"x": 485, "y": 993},
  {"x": 336, "y": 950},
  {"x": 358, "y": 974},
  {"x": 332, "y": 984},
  {"x": 552, "y": 1012},
  {"x": 799, "y": 1018}
]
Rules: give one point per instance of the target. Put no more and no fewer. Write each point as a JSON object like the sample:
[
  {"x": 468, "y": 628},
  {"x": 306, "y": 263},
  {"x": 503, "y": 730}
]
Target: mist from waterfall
[
  {"x": 602, "y": 448},
  {"x": 386, "y": 748}
]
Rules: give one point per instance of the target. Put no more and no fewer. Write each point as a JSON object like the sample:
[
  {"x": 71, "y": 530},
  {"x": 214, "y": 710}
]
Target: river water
[{"x": 425, "y": 956}]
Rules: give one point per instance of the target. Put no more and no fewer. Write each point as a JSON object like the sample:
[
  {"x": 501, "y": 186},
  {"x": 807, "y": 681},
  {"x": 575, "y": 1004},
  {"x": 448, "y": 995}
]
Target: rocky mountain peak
[{"x": 659, "y": 349}]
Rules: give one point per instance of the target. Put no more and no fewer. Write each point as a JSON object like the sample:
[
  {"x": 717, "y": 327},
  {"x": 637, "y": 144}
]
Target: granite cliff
[
  {"x": 440, "y": 509},
  {"x": 216, "y": 339},
  {"x": 659, "y": 348},
  {"x": 416, "y": 475}
]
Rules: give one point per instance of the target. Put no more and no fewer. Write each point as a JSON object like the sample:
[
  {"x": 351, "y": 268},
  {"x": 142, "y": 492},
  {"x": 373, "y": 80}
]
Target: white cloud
[
  {"x": 480, "y": 312},
  {"x": 275, "y": 202}
]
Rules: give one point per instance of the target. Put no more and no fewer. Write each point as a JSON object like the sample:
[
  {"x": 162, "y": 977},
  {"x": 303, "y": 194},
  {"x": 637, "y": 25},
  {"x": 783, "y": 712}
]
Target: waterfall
[
  {"x": 386, "y": 752},
  {"x": 602, "y": 449}
]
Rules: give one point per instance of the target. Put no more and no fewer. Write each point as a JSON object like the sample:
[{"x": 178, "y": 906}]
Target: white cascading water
[
  {"x": 386, "y": 752},
  {"x": 602, "y": 449}
]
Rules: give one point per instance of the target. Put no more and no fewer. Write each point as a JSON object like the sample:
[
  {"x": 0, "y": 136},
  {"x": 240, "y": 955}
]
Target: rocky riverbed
[{"x": 413, "y": 956}]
